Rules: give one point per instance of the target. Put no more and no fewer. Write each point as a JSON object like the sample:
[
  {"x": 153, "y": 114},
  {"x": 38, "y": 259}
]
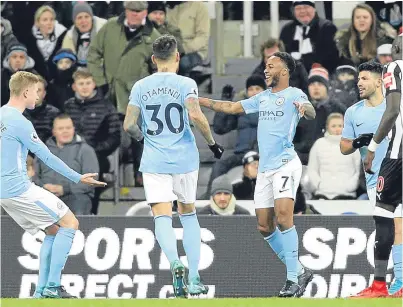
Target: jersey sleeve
[
  {"x": 348, "y": 129},
  {"x": 392, "y": 78},
  {"x": 134, "y": 98},
  {"x": 251, "y": 105},
  {"x": 189, "y": 89},
  {"x": 301, "y": 97},
  {"x": 28, "y": 137}
]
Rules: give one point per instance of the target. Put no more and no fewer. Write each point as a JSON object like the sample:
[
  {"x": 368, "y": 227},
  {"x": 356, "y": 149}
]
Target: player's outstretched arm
[
  {"x": 89, "y": 179},
  {"x": 228, "y": 107},
  {"x": 130, "y": 123}
]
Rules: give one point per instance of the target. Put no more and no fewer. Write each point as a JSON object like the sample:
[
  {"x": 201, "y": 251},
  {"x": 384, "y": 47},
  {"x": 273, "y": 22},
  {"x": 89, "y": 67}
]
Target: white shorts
[
  {"x": 36, "y": 209},
  {"x": 279, "y": 183},
  {"x": 162, "y": 188}
]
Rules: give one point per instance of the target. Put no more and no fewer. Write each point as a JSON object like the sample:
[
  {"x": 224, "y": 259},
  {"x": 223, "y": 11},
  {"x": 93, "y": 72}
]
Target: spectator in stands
[
  {"x": 95, "y": 119},
  {"x": 16, "y": 59},
  {"x": 79, "y": 156},
  {"x": 244, "y": 189},
  {"x": 45, "y": 40},
  {"x": 344, "y": 85},
  {"x": 299, "y": 78},
  {"x": 43, "y": 115},
  {"x": 310, "y": 38},
  {"x": 84, "y": 30},
  {"x": 121, "y": 52},
  {"x": 388, "y": 11},
  {"x": 384, "y": 54},
  {"x": 333, "y": 175},
  {"x": 7, "y": 38},
  {"x": 309, "y": 131},
  {"x": 358, "y": 43},
  {"x": 192, "y": 19},
  {"x": 245, "y": 124},
  {"x": 157, "y": 15},
  {"x": 60, "y": 87},
  {"x": 30, "y": 167},
  {"x": 222, "y": 200}
]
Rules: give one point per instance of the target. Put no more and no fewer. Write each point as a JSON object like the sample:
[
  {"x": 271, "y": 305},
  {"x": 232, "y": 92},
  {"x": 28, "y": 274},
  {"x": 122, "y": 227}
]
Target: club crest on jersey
[
  {"x": 280, "y": 101},
  {"x": 34, "y": 137}
]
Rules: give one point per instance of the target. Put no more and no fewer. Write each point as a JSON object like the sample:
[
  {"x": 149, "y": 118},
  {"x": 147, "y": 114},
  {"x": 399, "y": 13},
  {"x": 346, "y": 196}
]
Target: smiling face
[
  {"x": 274, "y": 69},
  {"x": 83, "y": 22},
  {"x": 304, "y": 13}
]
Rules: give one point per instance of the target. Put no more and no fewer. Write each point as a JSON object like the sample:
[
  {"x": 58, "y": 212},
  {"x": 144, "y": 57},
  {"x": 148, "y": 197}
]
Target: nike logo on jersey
[
  {"x": 281, "y": 191},
  {"x": 358, "y": 124}
]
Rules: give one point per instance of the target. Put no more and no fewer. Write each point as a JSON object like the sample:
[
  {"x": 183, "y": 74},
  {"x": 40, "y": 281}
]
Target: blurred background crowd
[{"x": 89, "y": 55}]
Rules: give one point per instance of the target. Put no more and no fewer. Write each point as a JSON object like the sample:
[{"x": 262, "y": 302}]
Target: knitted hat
[
  {"x": 385, "y": 49},
  {"x": 319, "y": 74},
  {"x": 17, "y": 47},
  {"x": 310, "y": 3},
  {"x": 135, "y": 5},
  {"x": 256, "y": 80},
  {"x": 64, "y": 53},
  {"x": 221, "y": 184},
  {"x": 346, "y": 69},
  {"x": 250, "y": 157},
  {"x": 82, "y": 7},
  {"x": 156, "y": 6}
]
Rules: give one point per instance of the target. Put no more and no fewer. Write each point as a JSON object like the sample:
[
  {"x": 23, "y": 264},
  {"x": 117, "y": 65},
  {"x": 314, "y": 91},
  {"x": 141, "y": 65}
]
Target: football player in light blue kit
[
  {"x": 280, "y": 108},
  {"x": 170, "y": 161},
  {"x": 33, "y": 207}
]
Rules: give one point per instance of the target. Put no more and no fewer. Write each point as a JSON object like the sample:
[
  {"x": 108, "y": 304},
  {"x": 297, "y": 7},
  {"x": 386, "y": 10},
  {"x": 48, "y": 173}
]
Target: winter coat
[
  {"x": 97, "y": 121},
  {"x": 245, "y": 124},
  {"x": 7, "y": 37},
  {"x": 193, "y": 21},
  {"x": 232, "y": 209},
  {"x": 119, "y": 63},
  {"x": 318, "y": 47},
  {"x": 60, "y": 87},
  {"x": 42, "y": 118},
  {"x": 244, "y": 189},
  {"x": 78, "y": 155},
  {"x": 330, "y": 172}
]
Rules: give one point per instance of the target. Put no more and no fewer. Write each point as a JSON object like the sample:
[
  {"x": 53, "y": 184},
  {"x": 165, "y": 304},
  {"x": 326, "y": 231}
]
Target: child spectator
[{"x": 344, "y": 88}]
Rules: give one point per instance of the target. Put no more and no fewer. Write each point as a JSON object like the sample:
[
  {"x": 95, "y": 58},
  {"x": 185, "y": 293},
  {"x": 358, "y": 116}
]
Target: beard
[{"x": 274, "y": 81}]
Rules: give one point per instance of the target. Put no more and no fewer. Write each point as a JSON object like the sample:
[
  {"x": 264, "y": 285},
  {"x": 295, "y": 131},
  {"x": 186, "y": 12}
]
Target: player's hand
[
  {"x": 300, "y": 107},
  {"x": 90, "y": 180},
  {"x": 368, "y": 162},
  {"x": 362, "y": 140},
  {"x": 217, "y": 149}
]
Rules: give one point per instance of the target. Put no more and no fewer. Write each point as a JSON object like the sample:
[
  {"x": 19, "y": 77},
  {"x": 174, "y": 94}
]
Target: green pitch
[{"x": 242, "y": 302}]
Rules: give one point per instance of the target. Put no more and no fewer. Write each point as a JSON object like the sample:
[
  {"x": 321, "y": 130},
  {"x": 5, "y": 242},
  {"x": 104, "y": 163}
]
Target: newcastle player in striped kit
[{"x": 389, "y": 186}]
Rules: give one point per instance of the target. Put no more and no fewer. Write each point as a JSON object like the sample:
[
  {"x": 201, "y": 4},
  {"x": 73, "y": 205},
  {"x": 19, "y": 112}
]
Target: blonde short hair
[
  {"x": 43, "y": 9},
  {"x": 20, "y": 81},
  {"x": 333, "y": 116}
]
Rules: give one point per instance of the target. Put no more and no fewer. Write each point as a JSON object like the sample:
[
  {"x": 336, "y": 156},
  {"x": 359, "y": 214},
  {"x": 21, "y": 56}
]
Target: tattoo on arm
[
  {"x": 130, "y": 123},
  {"x": 228, "y": 107},
  {"x": 199, "y": 119},
  {"x": 389, "y": 116}
]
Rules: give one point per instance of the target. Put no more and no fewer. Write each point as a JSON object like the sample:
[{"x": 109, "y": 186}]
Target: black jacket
[
  {"x": 298, "y": 79},
  {"x": 245, "y": 189},
  {"x": 97, "y": 121},
  {"x": 42, "y": 118},
  {"x": 207, "y": 210},
  {"x": 321, "y": 35},
  {"x": 60, "y": 88}
]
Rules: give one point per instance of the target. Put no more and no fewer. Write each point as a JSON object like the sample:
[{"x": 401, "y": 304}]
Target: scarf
[
  {"x": 47, "y": 45},
  {"x": 227, "y": 211}
]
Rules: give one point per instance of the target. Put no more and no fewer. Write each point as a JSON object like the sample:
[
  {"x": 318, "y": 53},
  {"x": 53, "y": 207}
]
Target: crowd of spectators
[{"x": 89, "y": 55}]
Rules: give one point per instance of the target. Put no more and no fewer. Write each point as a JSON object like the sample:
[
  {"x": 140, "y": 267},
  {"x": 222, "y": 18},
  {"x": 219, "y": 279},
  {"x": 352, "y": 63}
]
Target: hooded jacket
[
  {"x": 232, "y": 209},
  {"x": 7, "y": 37},
  {"x": 78, "y": 155}
]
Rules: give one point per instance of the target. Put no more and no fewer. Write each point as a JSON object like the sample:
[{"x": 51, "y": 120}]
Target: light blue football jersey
[
  {"x": 169, "y": 143},
  {"x": 278, "y": 119},
  {"x": 360, "y": 119},
  {"x": 16, "y": 138}
]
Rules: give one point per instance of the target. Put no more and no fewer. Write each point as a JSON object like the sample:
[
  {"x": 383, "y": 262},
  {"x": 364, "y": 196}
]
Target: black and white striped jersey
[{"x": 392, "y": 80}]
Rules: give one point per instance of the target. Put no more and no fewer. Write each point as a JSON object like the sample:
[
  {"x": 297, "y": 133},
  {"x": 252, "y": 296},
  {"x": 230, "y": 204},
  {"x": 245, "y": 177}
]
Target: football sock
[
  {"x": 44, "y": 262},
  {"x": 275, "y": 240},
  {"x": 397, "y": 260},
  {"x": 290, "y": 248},
  {"x": 191, "y": 242},
  {"x": 165, "y": 236},
  {"x": 60, "y": 252},
  {"x": 384, "y": 236}
]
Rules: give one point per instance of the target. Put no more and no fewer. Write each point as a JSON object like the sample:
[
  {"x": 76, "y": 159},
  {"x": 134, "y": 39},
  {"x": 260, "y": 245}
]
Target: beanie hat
[
  {"x": 156, "y": 6},
  {"x": 17, "y": 47},
  {"x": 319, "y": 74},
  {"x": 221, "y": 184},
  {"x": 385, "y": 49},
  {"x": 256, "y": 80},
  {"x": 82, "y": 7},
  {"x": 250, "y": 157},
  {"x": 64, "y": 53},
  {"x": 346, "y": 69},
  {"x": 310, "y": 3}
]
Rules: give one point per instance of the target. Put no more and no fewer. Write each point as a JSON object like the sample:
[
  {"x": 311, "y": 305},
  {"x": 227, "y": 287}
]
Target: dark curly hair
[
  {"x": 287, "y": 59},
  {"x": 164, "y": 47},
  {"x": 371, "y": 66}
]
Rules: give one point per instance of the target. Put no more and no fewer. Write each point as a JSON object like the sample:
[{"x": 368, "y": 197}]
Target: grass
[{"x": 241, "y": 302}]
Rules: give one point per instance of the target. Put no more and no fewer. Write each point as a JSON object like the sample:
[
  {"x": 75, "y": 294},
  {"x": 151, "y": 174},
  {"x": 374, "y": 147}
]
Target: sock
[
  {"x": 275, "y": 240},
  {"x": 60, "y": 252},
  {"x": 384, "y": 236},
  {"x": 397, "y": 260},
  {"x": 191, "y": 242},
  {"x": 44, "y": 262},
  {"x": 290, "y": 248},
  {"x": 166, "y": 238}
]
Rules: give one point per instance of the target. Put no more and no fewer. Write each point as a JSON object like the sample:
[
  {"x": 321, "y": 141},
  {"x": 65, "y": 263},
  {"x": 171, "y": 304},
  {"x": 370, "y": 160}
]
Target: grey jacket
[{"x": 78, "y": 155}]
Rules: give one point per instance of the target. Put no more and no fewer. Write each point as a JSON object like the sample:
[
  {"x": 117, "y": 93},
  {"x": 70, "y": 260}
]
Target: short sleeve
[
  {"x": 348, "y": 129},
  {"x": 251, "y": 105},
  {"x": 301, "y": 97},
  {"x": 134, "y": 98},
  {"x": 189, "y": 89}
]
